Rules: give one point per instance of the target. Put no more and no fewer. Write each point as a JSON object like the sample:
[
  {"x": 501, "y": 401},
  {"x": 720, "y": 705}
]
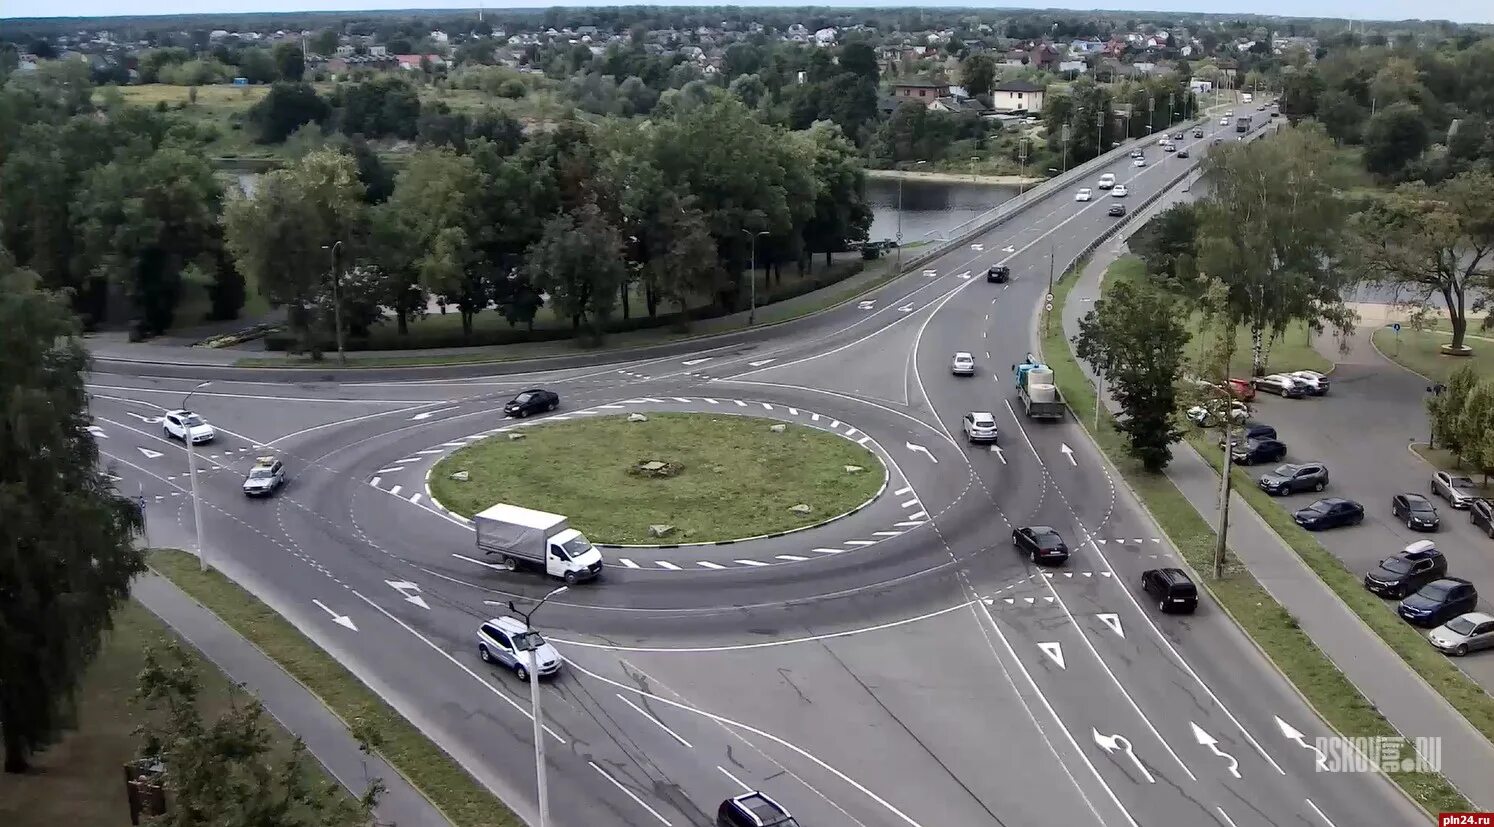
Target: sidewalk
[
  {"x": 303, "y": 714},
  {"x": 1406, "y": 701}
]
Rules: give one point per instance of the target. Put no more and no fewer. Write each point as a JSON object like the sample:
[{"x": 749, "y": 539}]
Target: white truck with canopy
[{"x": 525, "y": 537}]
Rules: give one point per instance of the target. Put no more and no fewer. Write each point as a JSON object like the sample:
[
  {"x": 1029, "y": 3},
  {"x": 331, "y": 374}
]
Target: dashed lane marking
[
  {"x": 375, "y": 481},
  {"x": 628, "y": 564},
  {"x": 395, "y": 490},
  {"x": 828, "y": 550},
  {"x": 665, "y": 564},
  {"x": 750, "y": 562},
  {"x": 903, "y": 490},
  {"x": 861, "y": 542},
  {"x": 389, "y": 470},
  {"x": 706, "y": 564},
  {"x": 793, "y": 558}
]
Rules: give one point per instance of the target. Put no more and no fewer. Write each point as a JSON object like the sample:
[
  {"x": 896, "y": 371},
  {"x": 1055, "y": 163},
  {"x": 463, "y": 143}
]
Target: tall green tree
[
  {"x": 841, "y": 213},
  {"x": 1135, "y": 338},
  {"x": 578, "y": 261},
  {"x": 1394, "y": 137},
  {"x": 1168, "y": 243},
  {"x": 67, "y": 540},
  {"x": 290, "y": 64},
  {"x": 1445, "y": 409},
  {"x": 1432, "y": 240},
  {"x": 1475, "y": 428},
  {"x": 1270, "y": 234},
  {"x": 978, "y": 74}
]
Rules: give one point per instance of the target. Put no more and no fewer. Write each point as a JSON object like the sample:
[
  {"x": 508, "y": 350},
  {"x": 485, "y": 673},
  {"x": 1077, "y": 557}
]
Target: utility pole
[
  {"x": 1066, "y": 134},
  {"x": 342, "y": 355},
  {"x": 752, "y": 267},
  {"x": 1222, "y": 533},
  {"x": 202, "y": 563},
  {"x": 1022, "y": 153},
  {"x": 530, "y": 642},
  {"x": 899, "y": 218},
  {"x": 1048, "y": 300},
  {"x": 1100, "y": 133}
]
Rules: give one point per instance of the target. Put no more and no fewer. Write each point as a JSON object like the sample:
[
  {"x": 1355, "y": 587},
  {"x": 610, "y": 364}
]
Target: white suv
[
  {"x": 498, "y": 643},
  {"x": 1106, "y": 181},
  {"x": 979, "y": 426},
  {"x": 181, "y": 424}
]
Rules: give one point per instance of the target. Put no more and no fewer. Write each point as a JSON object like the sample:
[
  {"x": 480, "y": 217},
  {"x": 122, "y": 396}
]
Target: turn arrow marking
[
  {"x": 922, "y": 450},
  {"x": 1206, "y": 740},
  {"x": 1068, "y": 452},
  {"x": 1290, "y": 733},
  {"x": 1000, "y": 454},
  {"x": 1054, "y": 651},
  {"x": 149, "y": 454},
  {"x": 409, "y": 591},
  {"x": 341, "y": 620},
  {"x": 149, "y": 420},
  {"x": 692, "y": 362},
  {"x": 759, "y": 363},
  {"x": 867, "y": 305},
  {"x": 1111, "y": 743},
  {"x": 428, "y": 414},
  {"x": 1114, "y": 622},
  {"x": 907, "y": 308},
  {"x": 1008, "y": 249}
]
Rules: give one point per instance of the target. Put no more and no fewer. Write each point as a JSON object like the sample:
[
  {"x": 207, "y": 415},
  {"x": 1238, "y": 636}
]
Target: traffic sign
[
  {"x": 1050, "y": 297},
  {"x": 1396, "y": 327}
]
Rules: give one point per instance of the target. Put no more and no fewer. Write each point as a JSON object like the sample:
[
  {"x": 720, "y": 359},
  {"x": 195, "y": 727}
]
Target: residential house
[
  {"x": 958, "y": 106},
  {"x": 1086, "y": 47},
  {"x": 825, "y": 37},
  {"x": 411, "y": 63},
  {"x": 922, "y": 90},
  {"x": 1012, "y": 95},
  {"x": 1072, "y": 68}
]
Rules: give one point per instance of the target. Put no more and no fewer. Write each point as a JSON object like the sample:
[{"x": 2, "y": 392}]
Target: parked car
[
  {"x": 498, "y": 643},
  {"x": 1041, "y": 543},
  {"x": 1417, "y": 511},
  {"x": 1084, "y": 194},
  {"x": 1329, "y": 512},
  {"x": 1463, "y": 634},
  {"x": 1295, "y": 478},
  {"x": 532, "y": 401},
  {"x": 963, "y": 364},
  {"x": 998, "y": 273},
  {"x": 979, "y": 426},
  {"x": 1459, "y": 491},
  {"x": 1207, "y": 414},
  {"x": 1407, "y": 571},
  {"x": 1281, "y": 385},
  {"x": 1481, "y": 514},
  {"x": 1116, "y": 210},
  {"x": 1171, "y": 588},
  {"x": 1257, "y": 451},
  {"x": 1255, "y": 430},
  {"x": 753, "y": 809},
  {"x": 185, "y": 425},
  {"x": 1438, "y": 602},
  {"x": 1240, "y": 389},
  {"x": 1316, "y": 384}
]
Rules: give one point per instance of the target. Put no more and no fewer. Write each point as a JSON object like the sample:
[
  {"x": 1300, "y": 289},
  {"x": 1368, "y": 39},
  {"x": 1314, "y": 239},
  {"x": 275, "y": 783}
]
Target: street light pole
[
  {"x": 752, "y": 262},
  {"x": 527, "y": 643},
  {"x": 202, "y": 563},
  {"x": 342, "y": 356},
  {"x": 900, "y": 218}
]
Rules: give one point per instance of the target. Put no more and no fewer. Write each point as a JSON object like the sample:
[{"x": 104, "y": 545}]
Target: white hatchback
[
  {"x": 1083, "y": 194},
  {"x": 1120, "y": 191},
  {"x": 963, "y": 364},
  {"x": 1139, "y": 162}
]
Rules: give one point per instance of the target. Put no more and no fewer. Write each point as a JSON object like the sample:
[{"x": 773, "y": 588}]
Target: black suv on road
[
  {"x": 1438, "y": 602},
  {"x": 1171, "y": 588},
  {"x": 1042, "y": 543},
  {"x": 998, "y": 273},
  {"x": 1395, "y": 577},
  {"x": 1295, "y": 478}
]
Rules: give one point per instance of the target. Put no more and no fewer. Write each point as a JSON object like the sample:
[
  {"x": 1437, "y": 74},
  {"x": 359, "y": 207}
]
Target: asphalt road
[{"x": 902, "y": 666}]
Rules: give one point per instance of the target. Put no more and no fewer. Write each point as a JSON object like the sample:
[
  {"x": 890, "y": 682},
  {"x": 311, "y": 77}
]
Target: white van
[{"x": 1106, "y": 181}]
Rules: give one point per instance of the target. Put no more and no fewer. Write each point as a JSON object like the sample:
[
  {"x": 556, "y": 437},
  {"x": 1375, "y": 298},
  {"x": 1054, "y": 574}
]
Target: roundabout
[{"x": 651, "y": 479}]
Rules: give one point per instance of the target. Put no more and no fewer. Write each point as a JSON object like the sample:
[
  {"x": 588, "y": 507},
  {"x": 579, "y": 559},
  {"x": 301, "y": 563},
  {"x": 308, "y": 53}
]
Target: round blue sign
[{"x": 1396, "y": 327}]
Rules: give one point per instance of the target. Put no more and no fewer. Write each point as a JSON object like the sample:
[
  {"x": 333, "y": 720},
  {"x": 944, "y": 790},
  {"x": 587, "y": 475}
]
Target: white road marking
[
  {"x": 693, "y": 362},
  {"x": 886, "y": 533},
  {"x": 415, "y": 498},
  {"x": 395, "y": 489},
  {"x": 750, "y": 562},
  {"x": 611, "y": 407},
  {"x": 639, "y": 710},
  {"x": 680, "y": 399},
  {"x": 740, "y": 403},
  {"x": 828, "y": 550},
  {"x": 910, "y": 503},
  {"x": 909, "y": 523},
  {"x": 149, "y": 454},
  {"x": 766, "y": 406},
  {"x": 739, "y": 781},
  {"x": 630, "y": 794},
  {"x": 665, "y": 564},
  {"x": 793, "y": 411},
  {"x": 919, "y": 516},
  {"x": 905, "y": 489},
  {"x": 452, "y": 444},
  {"x": 389, "y": 470},
  {"x": 711, "y": 401},
  {"x": 1319, "y": 812},
  {"x": 852, "y": 432},
  {"x": 861, "y": 542},
  {"x": 429, "y": 451},
  {"x": 814, "y": 417},
  {"x": 791, "y": 557},
  {"x": 863, "y": 440},
  {"x": 1054, "y": 651},
  {"x": 1229, "y": 822},
  {"x": 406, "y": 459},
  {"x": 629, "y": 564},
  {"x": 834, "y": 423},
  {"x": 706, "y": 564},
  {"x": 761, "y": 362},
  {"x": 375, "y": 481}
]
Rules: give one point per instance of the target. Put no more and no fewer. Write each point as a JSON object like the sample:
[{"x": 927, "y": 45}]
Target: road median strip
[
  {"x": 425, "y": 765},
  {"x": 1273, "y": 630}
]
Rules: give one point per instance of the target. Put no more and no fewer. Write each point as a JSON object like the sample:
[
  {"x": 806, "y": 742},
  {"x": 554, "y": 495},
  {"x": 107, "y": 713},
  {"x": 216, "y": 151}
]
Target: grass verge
[
  {"x": 77, "y": 780},
  {"x": 1418, "y": 350},
  {"x": 1243, "y": 598},
  {"x": 737, "y": 478},
  {"x": 466, "y": 802}
]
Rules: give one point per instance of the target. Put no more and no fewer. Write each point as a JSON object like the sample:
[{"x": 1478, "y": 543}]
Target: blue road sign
[{"x": 1396, "y": 327}]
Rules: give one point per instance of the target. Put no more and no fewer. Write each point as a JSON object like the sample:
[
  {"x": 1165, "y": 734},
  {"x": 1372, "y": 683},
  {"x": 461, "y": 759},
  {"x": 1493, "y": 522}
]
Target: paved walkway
[
  {"x": 1399, "y": 693},
  {"x": 302, "y": 713}
]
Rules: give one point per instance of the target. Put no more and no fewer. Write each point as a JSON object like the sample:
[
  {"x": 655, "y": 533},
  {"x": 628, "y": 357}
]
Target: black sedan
[
  {"x": 998, "y": 273},
  {"x": 1041, "y": 543},
  {"x": 1116, "y": 210},
  {"x": 1330, "y": 512},
  {"x": 1438, "y": 602},
  {"x": 1417, "y": 511},
  {"x": 1259, "y": 450},
  {"x": 532, "y": 401}
]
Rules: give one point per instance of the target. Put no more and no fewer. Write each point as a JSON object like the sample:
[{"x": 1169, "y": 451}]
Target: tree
[
  {"x": 841, "y": 213},
  {"x": 1475, "y": 428},
  {"x": 1270, "y": 234},
  {"x": 1394, "y": 137},
  {"x": 1430, "y": 240},
  {"x": 290, "y": 63},
  {"x": 324, "y": 43},
  {"x": 978, "y": 74},
  {"x": 860, "y": 59},
  {"x": 1168, "y": 244},
  {"x": 578, "y": 261},
  {"x": 258, "y": 66},
  {"x": 67, "y": 540},
  {"x": 1135, "y": 338},
  {"x": 681, "y": 259},
  {"x": 1445, "y": 409},
  {"x": 222, "y": 771},
  {"x": 285, "y": 109},
  {"x": 383, "y": 106}
]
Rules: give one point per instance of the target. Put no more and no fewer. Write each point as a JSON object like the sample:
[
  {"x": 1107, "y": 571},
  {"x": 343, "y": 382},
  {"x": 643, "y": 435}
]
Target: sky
[{"x": 1462, "y": 11}]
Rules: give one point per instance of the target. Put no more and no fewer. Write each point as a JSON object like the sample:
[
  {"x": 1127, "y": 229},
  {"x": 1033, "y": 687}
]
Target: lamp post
[
  {"x": 1022, "y": 154},
  {"x": 530, "y": 642},
  {"x": 342, "y": 356},
  {"x": 752, "y": 274},
  {"x": 192, "y": 475},
  {"x": 900, "y": 217}
]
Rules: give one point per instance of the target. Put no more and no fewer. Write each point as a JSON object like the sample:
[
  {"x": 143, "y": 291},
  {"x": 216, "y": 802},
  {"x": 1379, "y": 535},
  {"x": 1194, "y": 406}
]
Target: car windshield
[
  {"x": 1435, "y": 591},
  {"x": 1321, "y": 507},
  {"x": 260, "y": 474},
  {"x": 576, "y": 546},
  {"x": 1396, "y": 565},
  {"x": 523, "y": 397},
  {"x": 192, "y": 420},
  {"x": 1460, "y": 625},
  {"x": 1419, "y": 505},
  {"x": 1461, "y": 482},
  {"x": 1285, "y": 470}
]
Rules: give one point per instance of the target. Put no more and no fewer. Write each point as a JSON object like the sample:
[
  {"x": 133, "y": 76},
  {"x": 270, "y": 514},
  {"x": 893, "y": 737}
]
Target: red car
[{"x": 1241, "y": 389}]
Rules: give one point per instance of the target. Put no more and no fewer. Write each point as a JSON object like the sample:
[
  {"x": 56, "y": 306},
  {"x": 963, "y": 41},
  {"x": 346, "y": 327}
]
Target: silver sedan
[
  {"x": 1458, "y": 491},
  {"x": 1464, "y": 634}
]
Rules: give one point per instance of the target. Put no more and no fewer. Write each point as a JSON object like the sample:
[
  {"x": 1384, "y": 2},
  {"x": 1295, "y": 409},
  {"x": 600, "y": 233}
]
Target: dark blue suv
[{"x": 1438, "y": 602}]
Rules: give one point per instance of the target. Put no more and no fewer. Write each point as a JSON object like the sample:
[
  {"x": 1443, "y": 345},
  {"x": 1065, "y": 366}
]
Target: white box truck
[{"x": 525, "y": 537}]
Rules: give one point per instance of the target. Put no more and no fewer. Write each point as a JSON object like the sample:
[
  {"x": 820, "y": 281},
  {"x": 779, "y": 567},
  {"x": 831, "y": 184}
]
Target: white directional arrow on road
[
  {"x": 1207, "y": 740},
  {"x": 1290, "y": 733},
  {"x": 978, "y": 247},
  {"x": 907, "y": 308},
  {"x": 922, "y": 450},
  {"x": 1008, "y": 249},
  {"x": 428, "y": 414},
  {"x": 1000, "y": 454},
  {"x": 1054, "y": 651},
  {"x": 1113, "y": 621},
  {"x": 692, "y": 362},
  {"x": 1111, "y": 743},
  {"x": 409, "y": 591},
  {"x": 1068, "y": 452},
  {"x": 930, "y": 273},
  {"x": 867, "y": 305},
  {"x": 759, "y": 363},
  {"x": 98, "y": 433},
  {"x": 341, "y": 620},
  {"x": 149, "y": 420},
  {"x": 149, "y": 454},
  {"x": 964, "y": 275}
]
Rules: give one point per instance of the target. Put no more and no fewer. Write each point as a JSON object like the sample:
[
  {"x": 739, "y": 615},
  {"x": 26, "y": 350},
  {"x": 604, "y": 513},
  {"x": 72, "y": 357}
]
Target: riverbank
[{"x": 953, "y": 177}]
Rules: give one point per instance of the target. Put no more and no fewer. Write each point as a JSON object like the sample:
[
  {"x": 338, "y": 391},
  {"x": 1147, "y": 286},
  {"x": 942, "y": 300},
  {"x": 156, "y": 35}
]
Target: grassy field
[
  {"x": 1252, "y": 608},
  {"x": 737, "y": 478},
  {"x": 463, "y": 800},
  {"x": 1418, "y": 350},
  {"x": 78, "y": 781}
]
